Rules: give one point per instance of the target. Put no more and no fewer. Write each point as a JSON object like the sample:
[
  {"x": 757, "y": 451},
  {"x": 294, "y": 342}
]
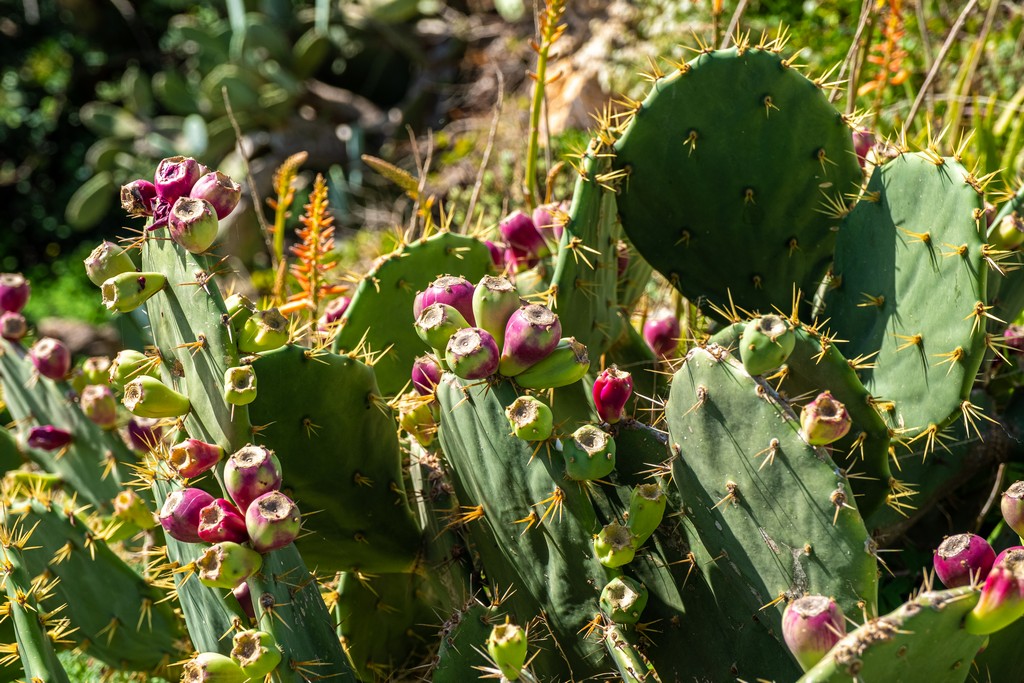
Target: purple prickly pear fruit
[
  {"x": 256, "y": 652},
  {"x": 99, "y": 405},
  {"x": 106, "y": 261},
  {"x": 612, "y": 390},
  {"x": 455, "y": 291},
  {"x": 212, "y": 667},
  {"x": 615, "y": 545},
  {"x": 175, "y": 177},
  {"x": 193, "y": 224},
  {"x": 180, "y": 513},
  {"x": 1013, "y": 336},
  {"x": 426, "y": 374},
  {"x": 219, "y": 190},
  {"x": 495, "y": 299},
  {"x": 963, "y": 559},
  {"x": 661, "y": 332},
  {"x": 507, "y": 647},
  {"x": 126, "y": 292},
  {"x": 51, "y": 358},
  {"x": 333, "y": 312},
  {"x": 244, "y": 597},
  {"x": 824, "y": 420},
  {"x": 249, "y": 473},
  {"x": 991, "y": 211},
  {"x": 226, "y": 564},
  {"x": 193, "y": 457},
  {"x": 1002, "y": 553},
  {"x": 14, "y": 292},
  {"x": 623, "y": 600},
  {"x": 240, "y": 385},
  {"x": 13, "y": 327},
  {"x": 497, "y": 254},
  {"x": 48, "y": 438},
  {"x": 147, "y": 396},
  {"x": 130, "y": 507},
  {"x": 530, "y": 419},
  {"x": 472, "y": 354},
  {"x": 863, "y": 141},
  {"x": 1012, "y": 506},
  {"x": 221, "y": 521},
  {"x": 551, "y": 216},
  {"x": 1008, "y": 233},
  {"x": 523, "y": 238},
  {"x": 811, "y": 625},
  {"x": 531, "y": 334},
  {"x": 143, "y": 434},
  {"x": 589, "y": 454},
  {"x": 621, "y": 258},
  {"x": 96, "y": 370},
  {"x": 137, "y": 198},
  {"x": 263, "y": 331},
  {"x": 1002, "y": 597},
  {"x": 436, "y": 324},
  {"x": 273, "y": 521}
]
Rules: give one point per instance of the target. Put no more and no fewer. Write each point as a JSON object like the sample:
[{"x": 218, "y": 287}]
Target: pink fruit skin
[
  {"x": 51, "y": 358},
  {"x": 523, "y": 237},
  {"x": 14, "y": 292},
  {"x": 175, "y": 177},
  {"x": 273, "y": 521},
  {"x": 612, "y": 390},
  {"x": 959, "y": 560},
  {"x": 527, "y": 343},
  {"x": 180, "y": 514},
  {"x": 221, "y": 521},
  {"x": 426, "y": 374},
  {"x": 48, "y": 438},
  {"x": 218, "y": 189},
  {"x": 249, "y": 473},
  {"x": 457, "y": 292},
  {"x": 661, "y": 332}
]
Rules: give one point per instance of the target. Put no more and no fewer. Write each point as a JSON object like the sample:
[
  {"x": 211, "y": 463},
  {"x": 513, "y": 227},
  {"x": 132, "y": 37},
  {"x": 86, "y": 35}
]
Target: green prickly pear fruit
[
  {"x": 615, "y": 545},
  {"x": 1012, "y": 506},
  {"x": 256, "y": 652},
  {"x": 106, "y": 261},
  {"x": 530, "y": 419},
  {"x": 227, "y": 564},
  {"x": 96, "y": 370},
  {"x": 126, "y": 292},
  {"x": 472, "y": 353},
  {"x": 623, "y": 600},
  {"x": 240, "y": 385},
  {"x": 766, "y": 343},
  {"x": 824, "y": 420},
  {"x": 495, "y": 299},
  {"x": 99, "y": 405},
  {"x": 130, "y": 507},
  {"x": 437, "y": 323},
  {"x": 646, "y": 509},
  {"x": 418, "y": 420},
  {"x": 13, "y": 326},
  {"x": 1009, "y": 233},
  {"x": 128, "y": 365},
  {"x": 568, "y": 363},
  {"x": 263, "y": 331},
  {"x": 147, "y": 396},
  {"x": 589, "y": 454},
  {"x": 507, "y": 647},
  {"x": 212, "y": 667},
  {"x": 811, "y": 625},
  {"x": 193, "y": 224},
  {"x": 239, "y": 309},
  {"x": 1002, "y": 597}
]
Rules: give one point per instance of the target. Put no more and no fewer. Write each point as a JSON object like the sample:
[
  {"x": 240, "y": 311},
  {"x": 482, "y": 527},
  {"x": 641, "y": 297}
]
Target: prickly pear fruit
[
  {"x": 212, "y": 667},
  {"x": 128, "y": 365},
  {"x": 137, "y": 198},
  {"x": 99, "y": 405},
  {"x": 227, "y": 564},
  {"x": 436, "y": 324},
  {"x": 273, "y": 521},
  {"x": 13, "y": 326},
  {"x": 126, "y": 292},
  {"x": 1012, "y": 506},
  {"x": 147, "y": 396},
  {"x": 239, "y": 309},
  {"x": 180, "y": 514},
  {"x": 530, "y": 419},
  {"x": 1009, "y": 233},
  {"x": 263, "y": 331},
  {"x": 472, "y": 353},
  {"x": 495, "y": 299},
  {"x": 568, "y": 363},
  {"x": 175, "y": 177},
  {"x": 824, "y": 420},
  {"x": 193, "y": 457},
  {"x": 963, "y": 559},
  {"x": 48, "y": 438},
  {"x": 221, "y": 521},
  {"x": 614, "y": 546},
  {"x": 96, "y": 370},
  {"x": 531, "y": 334},
  {"x": 589, "y": 454},
  {"x": 507, "y": 647},
  {"x": 130, "y": 507},
  {"x": 523, "y": 238},
  {"x": 661, "y": 332},
  {"x": 240, "y": 385},
  {"x": 51, "y": 358},
  {"x": 219, "y": 190},
  {"x": 766, "y": 343},
  {"x": 193, "y": 224},
  {"x": 418, "y": 420},
  {"x": 106, "y": 261},
  {"x": 426, "y": 373},
  {"x": 14, "y": 292},
  {"x": 623, "y": 600},
  {"x": 1002, "y": 597},
  {"x": 612, "y": 390},
  {"x": 811, "y": 625},
  {"x": 256, "y": 652},
  {"x": 646, "y": 509},
  {"x": 249, "y": 473},
  {"x": 142, "y": 434},
  {"x": 451, "y": 290}
]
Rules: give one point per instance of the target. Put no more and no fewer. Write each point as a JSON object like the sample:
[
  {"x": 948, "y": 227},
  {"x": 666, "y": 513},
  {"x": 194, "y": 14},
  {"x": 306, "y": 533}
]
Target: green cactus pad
[
  {"x": 338, "y": 448},
  {"x": 35, "y": 655},
  {"x": 909, "y": 286},
  {"x": 735, "y": 147},
  {"x": 462, "y": 637},
  {"x": 392, "y": 287},
  {"x": 779, "y": 510},
  {"x": 923, "y": 640}
]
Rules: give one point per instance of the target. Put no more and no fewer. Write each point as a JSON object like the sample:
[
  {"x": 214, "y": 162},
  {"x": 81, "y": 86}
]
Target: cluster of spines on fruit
[{"x": 558, "y": 489}]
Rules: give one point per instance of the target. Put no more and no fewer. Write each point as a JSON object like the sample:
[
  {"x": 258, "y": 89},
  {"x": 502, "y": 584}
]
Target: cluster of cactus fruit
[{"x": 579, "y": 488}]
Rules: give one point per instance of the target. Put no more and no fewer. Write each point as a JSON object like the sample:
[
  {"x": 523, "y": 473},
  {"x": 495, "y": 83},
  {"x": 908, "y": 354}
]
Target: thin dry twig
[
  {"x": 734, "y": 23},
  {"x": 865, "y": 15},
  {"x": 934, "y": 71},
  {"x": 253, "y": 192}
]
